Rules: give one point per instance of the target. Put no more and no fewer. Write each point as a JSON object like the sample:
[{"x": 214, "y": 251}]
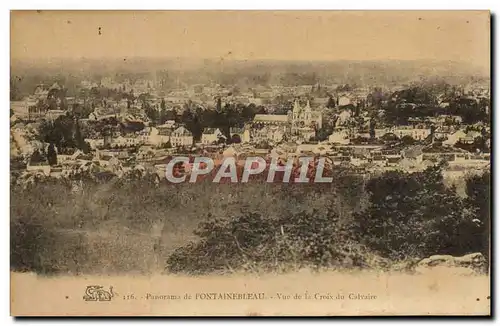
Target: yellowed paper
[{"x": 384, "y": 118}]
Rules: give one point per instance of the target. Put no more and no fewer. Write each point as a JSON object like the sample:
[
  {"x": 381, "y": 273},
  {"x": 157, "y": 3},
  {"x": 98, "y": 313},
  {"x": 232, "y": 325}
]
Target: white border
[{"x": 192, "y": 4}]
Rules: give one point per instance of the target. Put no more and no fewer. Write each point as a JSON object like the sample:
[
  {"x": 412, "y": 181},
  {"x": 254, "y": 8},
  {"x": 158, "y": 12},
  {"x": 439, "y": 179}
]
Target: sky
[{"x": 273, "y": 35}]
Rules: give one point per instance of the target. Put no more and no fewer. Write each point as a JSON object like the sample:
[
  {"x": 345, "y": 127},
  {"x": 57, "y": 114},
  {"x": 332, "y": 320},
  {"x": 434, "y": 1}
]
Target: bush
[
  {"x": 133, "y": 226},
  {"x": 415, "y": 215},
  {"x": 253, "y": 242},
  {"x": 478, "y": 189}
]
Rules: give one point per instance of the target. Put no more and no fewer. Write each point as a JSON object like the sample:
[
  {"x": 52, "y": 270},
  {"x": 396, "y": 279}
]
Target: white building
[
  {"x": 181, "y": 137},
  {"x": 343, "y": 117},
  {"x": 418, "y": 133},
  {"x": 454, "y": 138},
  {"x": 344, "y": 100},
  {"x": 128, "y": 141},
  {"x": 211, "y": 135},
  {"x": 95, "y": 143}
]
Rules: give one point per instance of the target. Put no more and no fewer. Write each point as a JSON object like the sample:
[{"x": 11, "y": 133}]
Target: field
[
  {"x": 129, "y": 228},
  {"x": 110, "y": 228}
]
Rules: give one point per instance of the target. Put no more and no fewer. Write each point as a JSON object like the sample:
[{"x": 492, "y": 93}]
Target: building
[
  {"x": 301, "y": 123},
  {"x": 54, "y": 114},
  {"x": 270, "y": 119},
  {"x": 95, "y": 143},
  {"x": 339, "y": 136},
  {"x": 163, "y": 135},
  {"x": 454, "y": 138},
  {"x": 417, "y": 132},
  {"x": 343, "y": 118},
  {"x": 181, "y": 137},
  {"x": 41, "y": 91},
  {"x": 128, "y": 141},
  {"x": 443, "y": 132},
  {"x": 269, "y": 127},
  {"x": 62, "y": 158},
  {"x": 343, "y": 101},
  {"x": 305, "y": 117},
  {"x": 269, "y": 133},
  {"x": 470, "y": 137}
]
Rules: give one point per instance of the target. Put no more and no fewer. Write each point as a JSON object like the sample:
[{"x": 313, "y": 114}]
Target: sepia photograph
[{"x": 250, "y": 163}]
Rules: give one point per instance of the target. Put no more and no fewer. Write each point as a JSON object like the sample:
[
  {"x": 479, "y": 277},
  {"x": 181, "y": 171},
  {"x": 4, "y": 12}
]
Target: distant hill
[{"x": 244, "y": 73}]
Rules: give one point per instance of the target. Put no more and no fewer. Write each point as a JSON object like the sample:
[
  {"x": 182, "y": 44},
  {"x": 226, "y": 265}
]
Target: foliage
[
  {"x": 109, "y": 225},
  {"x": 478, "y": 200},
  {"x": 36, "y": 157},
  {"x": 51, "y": 155},
  {"x": 253, "y": 242},
  {"x": 64, "y": 132},
  {"x": 415, "y": 215},
  {"x": 323, "y": 133},
  {"x": 235, "y": 139},
  {"x": 408, "y": 140},
  {"x": 478, "y": 145},
  {"x": 331, "y": 103}
]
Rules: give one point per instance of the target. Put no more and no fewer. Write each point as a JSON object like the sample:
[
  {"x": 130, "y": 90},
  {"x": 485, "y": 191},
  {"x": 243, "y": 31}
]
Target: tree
[
  {"x": 372, "y": 129},
  {"x": 479, "y": 145},
  {"x": 60, "y": 132},
  {"x": 15, "y": 94},
  {"x": 79, "y": 140},
  {"x": 86, "y": 148},
  {"x": 249, "y": 111},
  {"x": 219, "y": 104},
  {"x": 408, "y": 140},
  {"x": 323, "y": 133},
  {"x": 51, "y": 155},
  {"x": 168, "y": 144},
  {"x": 478, "y": 189},
  {"x": 192, "y": 122},
  {"x": 235, "y": 139},
  {"x": 331, "y": 103},
  {"x": 36, "y": 157},
  {"x": 415, "y": 215},
  {"x": 152, "y": 113}
]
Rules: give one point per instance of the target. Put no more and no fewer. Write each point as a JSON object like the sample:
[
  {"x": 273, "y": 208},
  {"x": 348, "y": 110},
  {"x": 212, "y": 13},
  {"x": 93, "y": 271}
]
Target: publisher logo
[{"x": 97, "y": 293}]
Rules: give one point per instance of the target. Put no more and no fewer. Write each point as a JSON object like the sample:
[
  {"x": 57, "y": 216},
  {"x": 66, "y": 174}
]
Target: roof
[
  {"x": 210, "y": 131},
  {"x": 271, "y": 118},
  {"x": 230, "y": 151},
  {"x": 473, "y": 134},
  {"x": 413, "y": 151},
  {"x": 167, "y": 124},
  {"x": 55, "y": 86},
  {"x": 182, "y": 131},
  {"x": 442, "y": 149}
]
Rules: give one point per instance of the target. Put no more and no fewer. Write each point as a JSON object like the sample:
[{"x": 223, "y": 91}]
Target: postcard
[{"x": 250, "y": 163}]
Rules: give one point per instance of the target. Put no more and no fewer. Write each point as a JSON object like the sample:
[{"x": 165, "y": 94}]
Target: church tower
[
  {"x": 307, "y": 113},
  {"x": 296, "y": 110}
]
